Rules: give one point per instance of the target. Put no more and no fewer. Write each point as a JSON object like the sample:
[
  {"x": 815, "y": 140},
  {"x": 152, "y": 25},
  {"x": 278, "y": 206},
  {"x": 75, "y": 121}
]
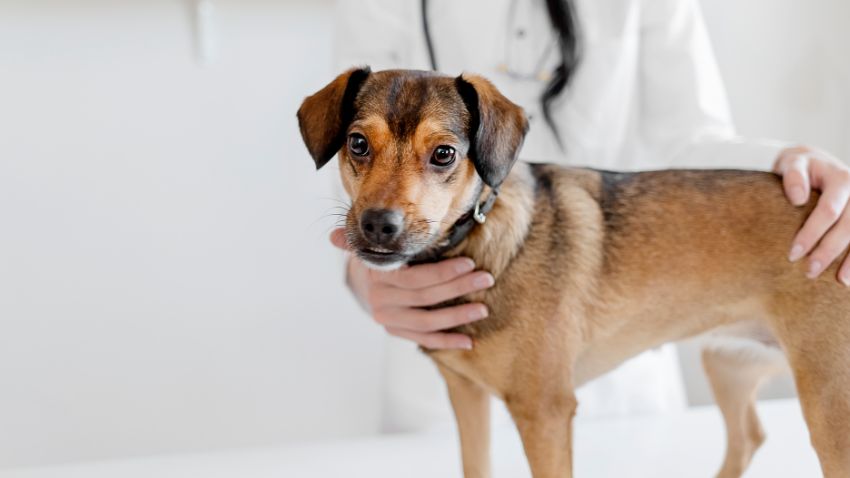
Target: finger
[
  {"x": 338, "y": 238},
  {"x": 829, "y": 248},
  {"x": 829, "y": 209},
  {"x": 420, "y": 320},
  {"x": 427, "y": 275},
  {"x": 787, "y": 155},
  {"x": 781, "y": 163},
  {"x": 795, "y": 179},
  {"x": 448, "y": 290},
  {"x": 436, "y": 341}
]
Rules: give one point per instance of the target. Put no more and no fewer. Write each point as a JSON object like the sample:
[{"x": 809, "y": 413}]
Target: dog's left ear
[
  {"x": 324, "y": 116},
  {"x": 497, "y": 128}
]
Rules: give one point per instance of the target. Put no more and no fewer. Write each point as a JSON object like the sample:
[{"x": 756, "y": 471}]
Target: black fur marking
[
  {"x": 614, "y": 190},
  {"x": 611, "y": 188},
  {"x": 346, "y": 113},
  {"x": 470, "y": 100},
  {"x": 545, "y": 191},
  {"x": 542, "y": 177},
  {"x": 500, "y": 127},
  {"x": 406, "y": 100}
]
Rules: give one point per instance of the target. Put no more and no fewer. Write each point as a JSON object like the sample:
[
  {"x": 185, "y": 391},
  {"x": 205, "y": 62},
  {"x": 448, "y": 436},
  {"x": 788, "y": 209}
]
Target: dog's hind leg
[
  {"x": 816, "y": 336},
  {"x": 822, "y": 373},
  {"x": 735, "y": 371},
  {"x": 471, "y": 405}
]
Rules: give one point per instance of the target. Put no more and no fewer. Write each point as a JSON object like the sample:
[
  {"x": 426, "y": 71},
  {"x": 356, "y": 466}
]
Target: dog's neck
[
  {"x": 460, "y": 230},
  {"x": 493, "y": 244}
]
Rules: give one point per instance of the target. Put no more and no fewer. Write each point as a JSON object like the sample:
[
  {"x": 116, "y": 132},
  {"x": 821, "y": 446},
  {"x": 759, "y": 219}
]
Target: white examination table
[{"x": 685, "y": 445}]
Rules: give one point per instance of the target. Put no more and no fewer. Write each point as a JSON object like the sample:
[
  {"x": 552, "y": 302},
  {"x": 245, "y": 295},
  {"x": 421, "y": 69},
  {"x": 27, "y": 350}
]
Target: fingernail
[
  {"x": 465, "y": 265},
  {"x": 845, "y": 278},
  {"x": 478, "y": 313},
  {"x": 467, "y": 345},
  {"x": 483, "y": 281},
  {"x": 798, "y": 195},
  {"x": 796, "y": 253},
  {"x": 814, "y": 269}
]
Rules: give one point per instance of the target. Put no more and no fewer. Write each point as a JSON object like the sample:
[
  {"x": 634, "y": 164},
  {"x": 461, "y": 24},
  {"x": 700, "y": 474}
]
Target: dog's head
[{"x": 415, "y": 150}]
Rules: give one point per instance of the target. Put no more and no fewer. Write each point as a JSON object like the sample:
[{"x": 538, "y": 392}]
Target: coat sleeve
[{"x": 684, "y": 115}]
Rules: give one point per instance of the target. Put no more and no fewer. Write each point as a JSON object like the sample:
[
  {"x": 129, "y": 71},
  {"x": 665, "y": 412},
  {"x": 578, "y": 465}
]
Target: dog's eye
[
  {"x": 443, "y": 156},
  {"x": 358, "y": 145}
]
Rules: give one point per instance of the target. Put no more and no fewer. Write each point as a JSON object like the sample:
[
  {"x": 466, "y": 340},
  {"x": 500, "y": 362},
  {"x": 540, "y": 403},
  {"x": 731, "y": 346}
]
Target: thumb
[{"x": 338, "y": 238}]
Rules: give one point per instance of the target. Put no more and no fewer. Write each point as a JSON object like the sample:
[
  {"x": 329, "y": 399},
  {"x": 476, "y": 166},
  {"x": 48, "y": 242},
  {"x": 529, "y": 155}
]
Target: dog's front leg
[
  {"x": 545, "y": 425},
  {"x": 471, "y": 405}
]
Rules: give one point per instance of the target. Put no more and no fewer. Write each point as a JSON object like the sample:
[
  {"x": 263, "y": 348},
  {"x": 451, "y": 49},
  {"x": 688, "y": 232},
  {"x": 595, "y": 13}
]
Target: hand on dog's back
[{"x": 395, "y": 298}]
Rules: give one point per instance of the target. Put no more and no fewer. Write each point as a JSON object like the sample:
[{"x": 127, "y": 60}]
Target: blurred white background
[{"x": 166, "y": 283}]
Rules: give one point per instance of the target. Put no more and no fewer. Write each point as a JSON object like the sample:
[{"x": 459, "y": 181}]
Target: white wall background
[
  {"x": 165, "y": 281},
  {"x": 165, "y": 278},
  {"x": 786, "y": 64}
]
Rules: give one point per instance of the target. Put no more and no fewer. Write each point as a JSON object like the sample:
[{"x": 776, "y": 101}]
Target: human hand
[
  {"x": 826, "y": 232},
  {"x": 395, "y": 298}
]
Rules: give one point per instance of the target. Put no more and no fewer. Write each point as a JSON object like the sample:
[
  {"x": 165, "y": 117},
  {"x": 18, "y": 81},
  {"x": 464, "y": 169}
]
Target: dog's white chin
[{"x": 391, "y": 266}]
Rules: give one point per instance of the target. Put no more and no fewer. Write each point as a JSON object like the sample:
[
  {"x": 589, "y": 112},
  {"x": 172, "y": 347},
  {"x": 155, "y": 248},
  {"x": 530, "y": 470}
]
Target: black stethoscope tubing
[{"x": 426, "y": 30}]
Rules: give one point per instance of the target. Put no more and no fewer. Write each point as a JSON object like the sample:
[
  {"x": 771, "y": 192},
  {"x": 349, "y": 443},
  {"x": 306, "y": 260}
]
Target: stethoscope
[
  {"x": 540, "y": 73},
  {"x": 426, "y": 30}
]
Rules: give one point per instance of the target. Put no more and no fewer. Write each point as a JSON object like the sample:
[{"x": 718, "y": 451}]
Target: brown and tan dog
[{"x": 592, "y": 267}]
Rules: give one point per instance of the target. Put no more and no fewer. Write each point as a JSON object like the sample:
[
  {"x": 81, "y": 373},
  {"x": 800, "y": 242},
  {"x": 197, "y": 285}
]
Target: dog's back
[{"x": 705, "y": 243}]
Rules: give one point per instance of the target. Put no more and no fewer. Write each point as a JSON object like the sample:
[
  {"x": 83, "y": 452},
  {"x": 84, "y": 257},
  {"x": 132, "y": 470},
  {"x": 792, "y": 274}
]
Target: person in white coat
[{"x": 611, "y": 84}]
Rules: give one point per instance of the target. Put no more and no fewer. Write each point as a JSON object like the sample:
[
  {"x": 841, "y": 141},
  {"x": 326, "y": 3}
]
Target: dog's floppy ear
[
  {"x": 324, "y": 116},
  {"x": 497, "y": 128}
]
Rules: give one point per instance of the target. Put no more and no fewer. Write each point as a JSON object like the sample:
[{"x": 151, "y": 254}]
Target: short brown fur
[{"x": 595, "y": 267}]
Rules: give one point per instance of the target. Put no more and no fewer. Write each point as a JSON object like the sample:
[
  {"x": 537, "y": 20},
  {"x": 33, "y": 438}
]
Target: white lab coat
[{"x": 647, "y": 94}]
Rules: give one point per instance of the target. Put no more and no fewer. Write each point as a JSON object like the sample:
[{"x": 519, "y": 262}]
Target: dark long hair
[{"x": 563, "y": 19}]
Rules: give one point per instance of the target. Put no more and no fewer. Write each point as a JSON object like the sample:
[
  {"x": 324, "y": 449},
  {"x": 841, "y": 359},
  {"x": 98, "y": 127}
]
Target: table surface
[{"x": 688, "y": 444}]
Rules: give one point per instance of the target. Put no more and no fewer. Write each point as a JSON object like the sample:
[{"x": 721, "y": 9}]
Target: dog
[{"x": 592, "y": 267}]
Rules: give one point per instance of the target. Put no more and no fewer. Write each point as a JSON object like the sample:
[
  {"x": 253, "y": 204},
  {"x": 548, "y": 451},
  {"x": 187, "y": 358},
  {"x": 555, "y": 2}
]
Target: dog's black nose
[{"x": 381, "y": 226}]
